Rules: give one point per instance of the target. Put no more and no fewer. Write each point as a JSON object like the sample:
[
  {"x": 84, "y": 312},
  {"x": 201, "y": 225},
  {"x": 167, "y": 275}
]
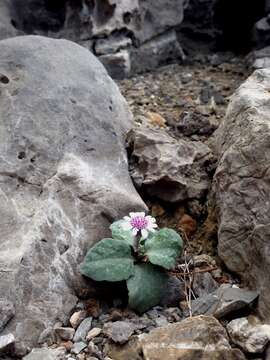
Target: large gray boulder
[
  {"x": 242, "y": 185},
  {"x": 63, "y": 174}
]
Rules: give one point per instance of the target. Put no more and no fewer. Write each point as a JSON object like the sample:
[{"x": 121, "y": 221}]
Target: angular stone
[
  {"x": 225, "y": 301},
  {"x": 7, "y": 311},
  {"x": 118, "y": 64},
  {"x": 77, "y": 318},
  {"x": 78, "y": 347},
  {"x": 195, "y": 123},
  {"x": 45, "y": 354},
  {"x": 172, "y": 170},
  {"x": 64, "y": 333},
  {"x": 194, "y": 338},
  {"x": 93, "y": 333},
  {"x": 119, "y": 331},
  {"x": 111, "y": 45},
  {"x": 83, "y": 329},
  {"x": 204, "y": 284},
  {"x": 251, "y": 336},
  {"x": 63, "y": 173},
  {"x": 156, "y": 52},
  {"x": 242, "y": 185},
  {"x": 7, "y": 344},
  {"x": 129, "y": 351}
]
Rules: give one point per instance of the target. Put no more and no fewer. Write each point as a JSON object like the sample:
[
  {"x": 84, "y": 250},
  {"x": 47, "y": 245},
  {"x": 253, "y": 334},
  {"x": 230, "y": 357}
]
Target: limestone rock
[
  {"x": 242, "y": 185},
  {"x": 119, "y": 331},
  {"x": 83, "y": 330},
  {"x": 7, "y": 311},
  {"x": 172, "y": 170},
  {"x": 6, "y": 27},
  {"x": 249, "y": 336},
  {"x": 194, "y": 338},
  {"x": 63, "y": 172},
  {"x": 6, "y": 344},
  {"x": 45, "y": 354},
  {"x": 110, "y": 26},
  {"x": 224, "y": 301}
]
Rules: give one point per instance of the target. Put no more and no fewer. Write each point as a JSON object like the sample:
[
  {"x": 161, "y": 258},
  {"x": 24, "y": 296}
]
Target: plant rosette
[{"x": 139, "y": 253}]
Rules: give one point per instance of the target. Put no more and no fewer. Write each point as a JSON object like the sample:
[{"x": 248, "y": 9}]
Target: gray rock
[
  {"x": 118, "y": 64},
  {"x": 172, "y": 170},
  {"x": 64, "y": 333},
  {"x": 63, "y": 172},
  {"x": 78, "y": 347},
  {"x": 194, "y": 338},
  {"x": 77, "y": 318},
  {"x": 112, "y": 44},
  {"x": 7, "y": 29},
  {"x": 7, "y": 344},
  {"x": 7, "y": 311},
  {"x": 225, "y": 301},
  {"x": 45, "y": 354},
  {"x": 83, "y": 329},
  {"x": 138, "y": 22},
  {"x": 194, "y": 123},
  {"x": 156, "y": 52},
  {"x": 119, "y": 331},
  {"x": 204, "y": 284},
  {"x": 251, "y": 336},
  {"x": 241, "y": 185},
  {"x": 259, "y": 59},
  {"x": 174, "y": 293}
]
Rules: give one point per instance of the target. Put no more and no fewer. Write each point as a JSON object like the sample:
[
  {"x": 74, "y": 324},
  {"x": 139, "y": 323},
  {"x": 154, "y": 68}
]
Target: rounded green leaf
[
  {"x": 164, "y": 247},
  {"x": 109, "y": 260},
  {"x": 119, "y": 233},
  {"x": 146, "y": 287}
]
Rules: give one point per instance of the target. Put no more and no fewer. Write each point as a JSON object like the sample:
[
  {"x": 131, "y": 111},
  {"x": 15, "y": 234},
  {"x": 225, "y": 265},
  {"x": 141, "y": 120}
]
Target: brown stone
[
  {"x": 195, "y": 338},
  {"x": 188, "y": 225}
]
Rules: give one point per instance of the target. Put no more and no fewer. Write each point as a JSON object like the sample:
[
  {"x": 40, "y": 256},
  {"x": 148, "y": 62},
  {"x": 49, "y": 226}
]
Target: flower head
[{"x": 138, "y": 222}]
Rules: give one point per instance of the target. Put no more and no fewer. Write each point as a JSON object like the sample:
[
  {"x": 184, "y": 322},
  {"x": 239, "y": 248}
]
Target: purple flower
[{"x": 138, "y": 222}]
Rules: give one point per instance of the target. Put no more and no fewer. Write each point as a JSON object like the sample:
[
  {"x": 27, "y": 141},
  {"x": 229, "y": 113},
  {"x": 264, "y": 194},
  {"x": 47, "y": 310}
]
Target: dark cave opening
[{"x": 235, "y": 20}]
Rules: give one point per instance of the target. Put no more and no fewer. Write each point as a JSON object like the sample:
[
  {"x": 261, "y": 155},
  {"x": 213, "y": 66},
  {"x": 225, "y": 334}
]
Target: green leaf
[
  {"x": 164, "y": 247},
  {"x": 146, "y": 287},
  {"x": 109, "y": 260},
  {"x": 119, "y": 233}
]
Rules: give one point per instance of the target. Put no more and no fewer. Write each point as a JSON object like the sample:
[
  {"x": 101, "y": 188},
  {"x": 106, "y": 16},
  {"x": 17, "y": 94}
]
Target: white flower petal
[
  {"x": 126, "y": 226},
  {"x": 151, "y": 219},
  {"x": 132, "y": 214},
  {"x": 142, "y": 214},
  {"x": 127, "y": 218},
  {"x": 144, "y": 233},
  {"x": 134, "y": 231}
]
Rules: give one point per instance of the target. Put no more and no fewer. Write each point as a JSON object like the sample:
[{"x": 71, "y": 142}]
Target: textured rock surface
[
  {"x": 7, "y": 311},
  {"x": 172, "y": 170},
  {"x": 6, "y": 28},
  {"x": 242, "y": 185},
  {"x": 194, "y": 338},
  {"x": 107, "y": 26},
  {"x": 63, "y": 174},
  {"x": 249, "y": 334},
  {"x": 45, "y": 354},
  {"x": 226, "y": 300}
]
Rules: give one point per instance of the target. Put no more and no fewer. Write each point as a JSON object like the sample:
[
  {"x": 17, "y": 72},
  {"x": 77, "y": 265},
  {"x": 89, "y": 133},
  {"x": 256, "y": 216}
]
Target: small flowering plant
[{"x": 139, "y": 253}]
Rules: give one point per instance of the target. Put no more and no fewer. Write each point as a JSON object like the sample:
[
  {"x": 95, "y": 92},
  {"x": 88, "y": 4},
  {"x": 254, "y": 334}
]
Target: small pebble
[
  {"x": 93, "y": 333},
  {"x": 77, "y": 318},
  {"x": 83, "y": 329},
  {"x": 78, "y": 347}
]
